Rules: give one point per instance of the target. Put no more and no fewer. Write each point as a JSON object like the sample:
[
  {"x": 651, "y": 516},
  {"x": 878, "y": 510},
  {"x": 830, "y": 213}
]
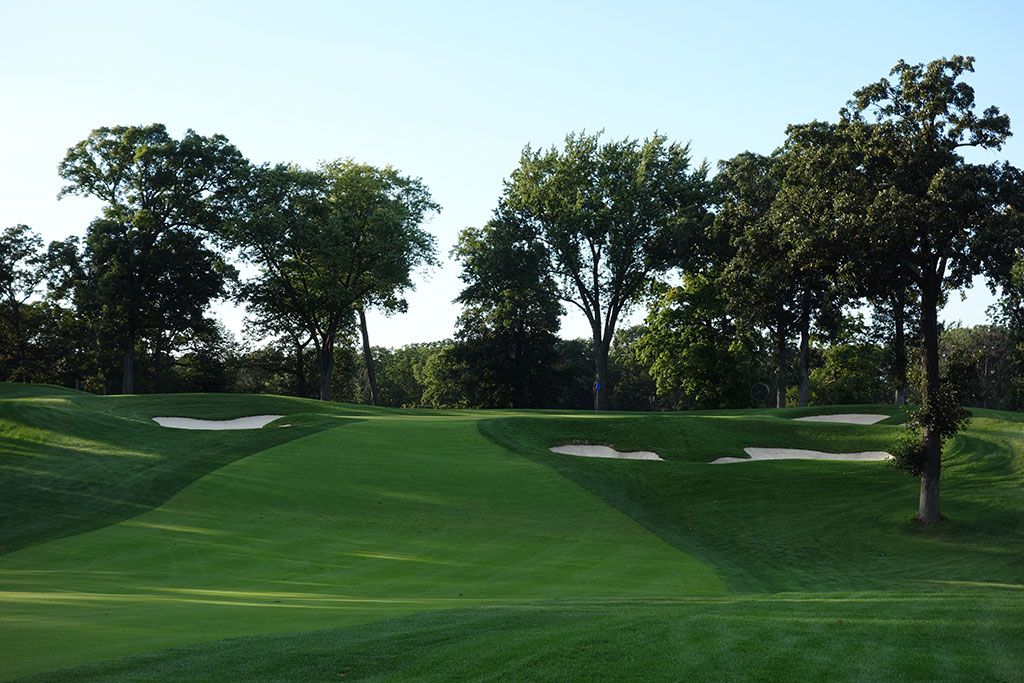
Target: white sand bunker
[
  {"x": 799, "y": 454},
  {"x": 846, "y": 418},
  {"x": 592, "y": 451},
  {"x": 251, "y": 422}
]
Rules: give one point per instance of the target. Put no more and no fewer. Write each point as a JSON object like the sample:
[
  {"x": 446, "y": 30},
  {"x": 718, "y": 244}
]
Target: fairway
[{"x": 379, "y": 543}]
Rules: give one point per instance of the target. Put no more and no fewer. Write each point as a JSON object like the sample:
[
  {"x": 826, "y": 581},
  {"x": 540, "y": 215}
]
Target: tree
[
  {"x": 206, "y": 364},
  {"x": 400, "y": 372},
  {"x": 809, "y": 248},
  {"x": 328, "y": 241},
  {"x": 152, "y": 267},
  {"x": 757, "y": 277},
  {"x": 635, "y": 387},
  {"x": 506, "y": 335},
  {"x": 21, "y": 274},
  {"x": 1009, "y": 312},
  {"x": 698, "y": 356},
  {"x": 895, "y": 317},
  {"x": 610, "y": 215},
  {"x": 905, "y": 189},
  {"x": 383, "y": 203},
  {"x": 850, "y": 372},
  {"x": 983, "y": 357}
]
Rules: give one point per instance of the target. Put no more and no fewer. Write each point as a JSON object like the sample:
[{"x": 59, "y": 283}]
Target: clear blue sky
[{"x": 452, "y": 91}]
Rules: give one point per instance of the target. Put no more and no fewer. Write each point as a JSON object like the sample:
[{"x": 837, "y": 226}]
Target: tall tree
[
  {"x": 329, "y": 241},
  {"x": 163, "y": 199},
  {"x": 810, "y": 251},
  {"x": 506, "y": 334},
  {"x": 819, "y": 184},
  {"x": 910, "y": 194},
  {"x": 1009, "y": 312},
  {"x": 895, "y": 318},
  {"x": 610, "y": 215},
  {"x": 21, "y": 273},
  {"x": 757, "y": 279}
]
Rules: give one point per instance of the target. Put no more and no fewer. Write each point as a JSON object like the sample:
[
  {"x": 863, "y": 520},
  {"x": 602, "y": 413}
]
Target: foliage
[
  {"x": 980, "y": 358},
  {"x": 147, "y": 263},
  {"x": 850, "y": 373},
  {"x": 572, "y": 383},
  {"x": 20, "y": 276},
  {"x": 754, "y": 276},
  {"x": 609, "y": 215},
  {"x": 400, "y": 372},
  {"x": 327, "y": 241},
  {"x": 635, "y": 387},
  {"x": 1008, "y": 312},
  {"x": 941, "y": 414},
  {"x": 506, "y": 332},
  {"x": 909, "y": 452},
  {"x": 696, "y": 354}
]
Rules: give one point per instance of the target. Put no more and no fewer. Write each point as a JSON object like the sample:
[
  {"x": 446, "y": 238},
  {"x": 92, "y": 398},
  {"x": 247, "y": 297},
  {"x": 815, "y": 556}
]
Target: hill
[{"x": 363, "y": 543}]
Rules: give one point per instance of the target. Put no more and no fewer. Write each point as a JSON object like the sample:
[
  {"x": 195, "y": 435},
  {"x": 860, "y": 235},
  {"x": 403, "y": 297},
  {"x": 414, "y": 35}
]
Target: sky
[{"x": 452, "y": 91}]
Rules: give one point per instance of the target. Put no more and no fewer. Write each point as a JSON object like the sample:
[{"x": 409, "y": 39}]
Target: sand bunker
[
  {"x": 251, "y": 422},
  {"x": 591, "y": 451},
  {"x": 799, "y": 454},
  {"x": 846, "y": 418}
]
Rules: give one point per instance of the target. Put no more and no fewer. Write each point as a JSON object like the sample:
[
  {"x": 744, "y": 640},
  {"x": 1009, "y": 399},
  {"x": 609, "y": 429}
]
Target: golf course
[{"x": 350, "y": 542}]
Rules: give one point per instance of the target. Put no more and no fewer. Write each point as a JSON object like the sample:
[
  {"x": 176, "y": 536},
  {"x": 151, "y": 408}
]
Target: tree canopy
[
  {"x": 152, "y": 265},
  {"x": 907, "y": 201},
  {"x": 609, "y": 214},
  {"x": 328, "y": 241}
]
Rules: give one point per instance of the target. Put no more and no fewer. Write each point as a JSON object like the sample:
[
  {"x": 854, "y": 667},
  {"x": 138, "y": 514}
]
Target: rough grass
[{"x": 440, "y": 545}]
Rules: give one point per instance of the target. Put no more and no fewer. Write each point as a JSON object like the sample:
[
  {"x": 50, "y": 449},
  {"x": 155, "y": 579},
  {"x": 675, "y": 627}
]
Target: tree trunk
[
  {"x": 928, "y": 511},
  {"x": 899, "y": 343},
  {"x": 371, "y": 373},
  {"x": 601, "y": 348},
  {"x": 780, "y": 367},
  {"x": 19, "y": 336},
  {"x": 804, "y": 390},
  {"x": 325, "y": 363},
  {"x": 128, "y": 371},
  {"x": 158, "y": 374},
  {"x": 300, "y": 369}
]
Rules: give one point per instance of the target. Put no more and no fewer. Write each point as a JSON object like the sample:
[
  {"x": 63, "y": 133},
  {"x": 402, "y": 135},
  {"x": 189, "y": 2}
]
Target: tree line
[
  {"x": 752, "y": 277},
  {"x": 178, "y": 217}
]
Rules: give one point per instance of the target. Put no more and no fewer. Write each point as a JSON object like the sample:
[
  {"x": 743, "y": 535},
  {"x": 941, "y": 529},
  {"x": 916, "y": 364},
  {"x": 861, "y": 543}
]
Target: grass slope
[
  {"x": 72, "y": 461},
  {"x": 383, "y": 517},
  {"x": 800, "y": 525},
  {"x": 444, "y": 545}
]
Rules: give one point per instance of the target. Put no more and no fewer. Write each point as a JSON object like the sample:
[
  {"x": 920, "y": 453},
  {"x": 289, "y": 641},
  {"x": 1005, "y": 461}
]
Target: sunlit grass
[{"x": 454, "y": 545}]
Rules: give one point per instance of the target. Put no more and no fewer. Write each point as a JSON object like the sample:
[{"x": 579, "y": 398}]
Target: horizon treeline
[
  {"x": 751, "y": 276},
  {"x": 754, "y": 278}
]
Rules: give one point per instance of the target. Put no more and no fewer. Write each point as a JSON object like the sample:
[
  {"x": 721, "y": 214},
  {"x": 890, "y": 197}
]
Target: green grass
[
  {"x": 406, "y": 545},
  {"x": 74, "y": 462},
  {"x": 798, "y": 525},
  {"x": 975, "y": 635}
]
